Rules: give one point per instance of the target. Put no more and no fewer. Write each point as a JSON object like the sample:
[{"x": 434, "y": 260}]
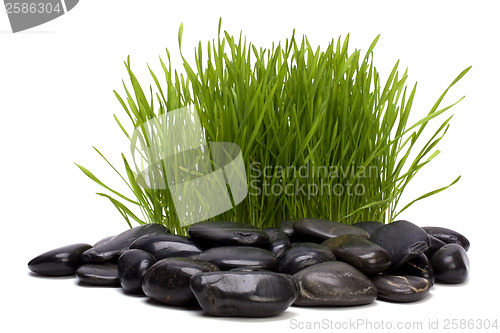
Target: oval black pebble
[
  {"x": 287, "y": 227},
  {"x": 318, "y": 230},
  {"x": 105, "y": 275},
  {"x": 435, "y": 245},
  {"x": 302, "y": 255},
  {"x": 59, "y": 262},
  {"x": 402, "y": 239},
  {"x": 279, "y": 242},
  {"x": 333, "y": 283},
  {"x": 167, "y": 281},
  {"x": 132, "y": 266},
  {"x": 448, "y": 236},
  {"x": 109, "y": 251},
  {"x": 418, "y": 266},
  {"x": 244, "y": 294},
  {"x": 229, "y": 257},
  {"x": 166, "y": 246},
  {"x": 401, "y": 289},
  {"x": 221, "y": 233},
  {"x": 450, "y": 264},
  {"x": 360, "y": 253},
  {"x": 368, "y": 226}
]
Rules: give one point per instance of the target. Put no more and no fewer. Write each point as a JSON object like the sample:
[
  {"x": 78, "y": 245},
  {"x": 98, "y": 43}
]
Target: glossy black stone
[
  {"x": 221, "y": 233},
  {"x": 105, "y": 275},
  {"x": 229, "y": 257},
  {"x": 402, "y": 239},
  {"x": 132, "y": 266},
  {"x": 450, "y": 264},
  {"x": 105, "y": 239},
  {"x": 59, "y": 262},
  {"x": 320, "y": 230},
  {"x": 333, "y": 283},
  {"x": 448, "y": 236},
  {"x": 435, "y": 245},
  {"x": 166, "y": 246},
  {"x": 368, "y": 226},
  {"x": 401, "y": 289},
  {"x": 287, "y": 227},
  {"x": 109, "y": 251},
  {"x": 418, "y": 266},
  {"x": 279, "y": 242},
  {"x": 167, "y": 281},
  {"x": 360, "y": 253},
  {"x": 302, "y": 255},
  {"x": 244, "y": 294}
]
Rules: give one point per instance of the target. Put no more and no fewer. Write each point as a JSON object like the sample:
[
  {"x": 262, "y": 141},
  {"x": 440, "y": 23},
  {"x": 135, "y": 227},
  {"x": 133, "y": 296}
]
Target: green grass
[{"x": 290, "y": 106}]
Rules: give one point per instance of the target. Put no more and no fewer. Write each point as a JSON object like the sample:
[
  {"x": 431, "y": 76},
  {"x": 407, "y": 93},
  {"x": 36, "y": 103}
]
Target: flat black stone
[
  {"x": 418, "y": 266},
  {"x": 287, "y": 227},
  {"x": 401, "y": 289},
  {"x": 59, "y": 262},
  {"x": 279, "y": 242},
  {"x": 244, "y": 294},
  {"x": 360, "y": 253},
  {"x": 221, "y": 233},
  {"x": 450, "y": 264},
  {"x": 448, "y": 236},
  {"x": 104, "y": 275},
  {"x": 166, "y": 246},
  {"x": 402, "y": 239},
  {"x": 167, "y": 281},
  {"x": 302, "y": 255},
  {"x": 109, "y": 251},
  {"x": 320, "y": 230},
  {"x": 132, "y": 267},
  {"x": 229, "y": 257},
  {"x": 333, "y": 283},
  {"x": 435, "y": 245},
  {"x": 368, "y": 226}
]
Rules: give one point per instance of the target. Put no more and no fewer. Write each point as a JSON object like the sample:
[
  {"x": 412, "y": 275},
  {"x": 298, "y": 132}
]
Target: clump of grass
[{"x": 304, "y": 118}]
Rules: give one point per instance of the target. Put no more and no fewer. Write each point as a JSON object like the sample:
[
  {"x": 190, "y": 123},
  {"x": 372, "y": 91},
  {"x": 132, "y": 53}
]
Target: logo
[
  {"x": 26, "y": 14},
  {"x": 204, "y": 179}
]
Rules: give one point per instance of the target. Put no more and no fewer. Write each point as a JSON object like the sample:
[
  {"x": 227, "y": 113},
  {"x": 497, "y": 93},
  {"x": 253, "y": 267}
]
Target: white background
[{"x": 56, "y": 102}]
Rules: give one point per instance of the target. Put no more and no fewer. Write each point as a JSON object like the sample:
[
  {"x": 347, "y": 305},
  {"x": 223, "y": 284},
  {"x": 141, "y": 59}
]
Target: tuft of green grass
[{"x": 320, "y": 135}]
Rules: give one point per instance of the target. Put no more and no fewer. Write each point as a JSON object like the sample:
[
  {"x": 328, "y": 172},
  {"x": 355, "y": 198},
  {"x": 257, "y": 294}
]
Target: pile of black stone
[{"x": 236, "y": 269}]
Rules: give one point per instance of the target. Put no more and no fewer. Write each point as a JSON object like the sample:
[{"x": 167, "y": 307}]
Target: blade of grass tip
[
  {"x": 121, "y": 206},
  {"x": 95, "y": 179},
  {"x": 427, "y": 195}
]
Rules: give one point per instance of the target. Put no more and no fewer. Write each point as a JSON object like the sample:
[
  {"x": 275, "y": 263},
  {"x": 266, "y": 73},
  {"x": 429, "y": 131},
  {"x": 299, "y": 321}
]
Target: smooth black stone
[
  {"x": 287, "y": 227},
  {"x": 105, "y": 275},
  {"x": 167, "y": 281},
  {"x": 401, "y": 289},
  {"x": 59, "y": 262},
  {"x": 302, "y": 255},
  {"x": 166, "y": 246},
  {"x": 448, "y": 236},
  {"x": 360, "y": 253},
  {"x": 320, "y": 230},
  {"x": 244, "y": 294},
  {"x": 279, "y": 242},
  {"x": 222, "y": 233},
  {"x": 132, "y": 267},
  {"x": 229, "y": 257},
  {"x": 435, "y": 245},
  {"x": 333, "y": 283},
  {"x": 105, "y": 239},
  {"x": 418, "y": 266},
  {"x": 109, "y": 251},
  {"x": 368, "y": 226},
  {"x": 450, "y": 264},
  {"x": 402, "y": 239}
]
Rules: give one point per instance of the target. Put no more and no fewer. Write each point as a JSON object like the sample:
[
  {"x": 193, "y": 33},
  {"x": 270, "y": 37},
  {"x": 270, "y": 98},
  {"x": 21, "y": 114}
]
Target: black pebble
[
  {"x": 105, "y": 275},
  {"x": 450, "y": 264},
  {"x": 59, "y": 262},
  {"x": 132, "y": 266}
]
